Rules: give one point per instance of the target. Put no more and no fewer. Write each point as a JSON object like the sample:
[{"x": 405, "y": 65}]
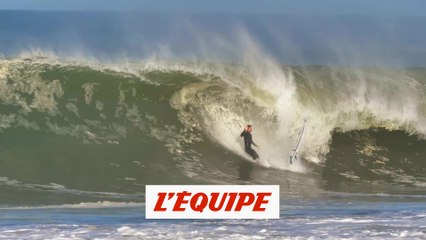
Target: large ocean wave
[{"x": 121, "y": 125}]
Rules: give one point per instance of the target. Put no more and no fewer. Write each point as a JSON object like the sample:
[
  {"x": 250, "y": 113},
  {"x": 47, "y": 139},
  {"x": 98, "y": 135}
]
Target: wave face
[{"x": 84, "y": 130}]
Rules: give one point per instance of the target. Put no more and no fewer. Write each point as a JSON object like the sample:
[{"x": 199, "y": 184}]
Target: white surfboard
[{"x": 295, "y": 149}]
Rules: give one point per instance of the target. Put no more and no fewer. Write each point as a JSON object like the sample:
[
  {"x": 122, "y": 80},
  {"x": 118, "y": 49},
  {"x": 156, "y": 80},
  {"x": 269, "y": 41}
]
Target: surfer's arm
[
  {"x": 253, "y": 143},
  {"x": 242, "y": 134}
]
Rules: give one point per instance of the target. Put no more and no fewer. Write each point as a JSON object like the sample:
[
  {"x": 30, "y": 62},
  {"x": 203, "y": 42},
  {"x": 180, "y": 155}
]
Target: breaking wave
[{"x": 127, "y": 124}]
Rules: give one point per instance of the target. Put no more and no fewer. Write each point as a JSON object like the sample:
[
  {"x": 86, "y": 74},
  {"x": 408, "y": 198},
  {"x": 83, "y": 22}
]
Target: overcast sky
[{"x": 300, "y": 7}]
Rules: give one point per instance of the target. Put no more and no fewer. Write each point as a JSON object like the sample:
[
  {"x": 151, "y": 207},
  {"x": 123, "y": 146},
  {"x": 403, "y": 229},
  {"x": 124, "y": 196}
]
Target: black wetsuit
[{"x": 248, "y": 140}]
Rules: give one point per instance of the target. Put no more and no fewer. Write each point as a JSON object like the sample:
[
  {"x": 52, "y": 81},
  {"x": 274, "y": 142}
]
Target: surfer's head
[{"x": 249, "y": 128}]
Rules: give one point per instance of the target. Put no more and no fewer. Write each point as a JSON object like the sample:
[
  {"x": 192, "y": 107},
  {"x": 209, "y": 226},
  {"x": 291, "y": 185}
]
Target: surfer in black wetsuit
[{"x": 248, "y": 141}]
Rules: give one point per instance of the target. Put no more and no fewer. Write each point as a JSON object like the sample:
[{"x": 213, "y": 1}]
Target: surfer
[{"x": 248, "y": 141}]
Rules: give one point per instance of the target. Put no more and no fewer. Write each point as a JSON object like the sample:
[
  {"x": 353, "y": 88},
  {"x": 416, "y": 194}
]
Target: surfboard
[{"x": 295, "y": 149}]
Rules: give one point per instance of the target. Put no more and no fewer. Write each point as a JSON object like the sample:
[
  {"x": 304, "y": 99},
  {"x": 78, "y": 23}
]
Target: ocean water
[{"x": 94, "y": 106}]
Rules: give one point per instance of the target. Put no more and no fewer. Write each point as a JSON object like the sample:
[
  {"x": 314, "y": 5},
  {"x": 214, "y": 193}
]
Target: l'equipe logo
[{"x": 212, "y": 202}]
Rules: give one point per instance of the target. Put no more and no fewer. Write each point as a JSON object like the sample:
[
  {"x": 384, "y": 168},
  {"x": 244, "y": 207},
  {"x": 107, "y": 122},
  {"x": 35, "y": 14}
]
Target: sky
[{"x": 298, "y": 7}]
